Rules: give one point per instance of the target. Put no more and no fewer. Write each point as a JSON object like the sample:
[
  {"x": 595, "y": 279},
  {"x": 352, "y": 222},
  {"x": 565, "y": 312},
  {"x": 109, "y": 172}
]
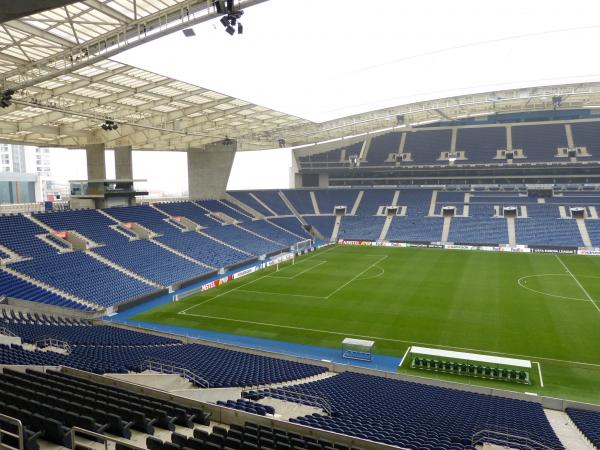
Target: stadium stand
[
  {"x": 18, "y": 234},
  {"x": 539, "y": 142},
  {"x": 243, "y": 240},
  {"x": 18, "y": 288},
  {"x": 267, "y": 229},
  {"x": 480, "y": 144},
  {"x": 413, "y": 415},
  {"x": 478, "y": 230},
  {"x": 189, "y": 210},
  {"x": 365, "y": 227},
  {"x": 248, "y": 199},
  {"x": 300, "y": 199},
  {"x": 587, "y": 134},
  {"x": 274, "y": 202},
  {"x": 420, "y": 229},
  {"x": 322, "y": 223},
  {"x": 588, "y": 423},
  {"x": 548, "y": 231},
  {"x": 374, "y": 198},
  {"x": 328, "y": 199},
  {"x": 87, "y": 278},
  {"x": 381, "y": 147},
  {"x": 426, "y": 146}
]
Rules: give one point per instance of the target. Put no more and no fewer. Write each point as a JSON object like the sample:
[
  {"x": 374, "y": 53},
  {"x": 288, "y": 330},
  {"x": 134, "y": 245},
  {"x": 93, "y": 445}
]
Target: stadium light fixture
[
  {"x": 109, "y": 125},
  {"x": 231, "y": 16},
  {"x": 5, "y": 101}
]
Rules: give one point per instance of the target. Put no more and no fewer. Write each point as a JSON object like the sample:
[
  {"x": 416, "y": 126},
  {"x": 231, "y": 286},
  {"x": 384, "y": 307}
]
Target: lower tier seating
[
  {"x": 588, "y": 423},
  {"x": 417, "y": 416}
]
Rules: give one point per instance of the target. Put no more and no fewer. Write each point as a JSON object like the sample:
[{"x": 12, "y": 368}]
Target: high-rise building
[{"x": 12, "y": 158}]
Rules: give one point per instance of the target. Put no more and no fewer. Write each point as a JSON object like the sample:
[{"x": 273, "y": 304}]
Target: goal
[{"x": 302, "y": 246}]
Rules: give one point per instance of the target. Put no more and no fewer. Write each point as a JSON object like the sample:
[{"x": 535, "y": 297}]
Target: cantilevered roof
[
  {"x": 58, "y": 61},
  {"x": 66, "y": 85}
]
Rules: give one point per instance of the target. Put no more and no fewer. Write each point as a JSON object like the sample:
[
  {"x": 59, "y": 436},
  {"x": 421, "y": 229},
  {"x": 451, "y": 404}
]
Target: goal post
[{"x": 302, "y": 247}]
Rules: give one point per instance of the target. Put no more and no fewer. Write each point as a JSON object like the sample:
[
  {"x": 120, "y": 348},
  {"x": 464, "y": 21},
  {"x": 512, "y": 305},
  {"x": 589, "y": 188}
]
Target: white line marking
[
  {"x": 521, "y": 283},
  {"x": 404, "y": 356},
  {"x": 299, "y": 273},
  {"x": 281, "y": 293},
  {"x": 249, "y": 282},
  {"x": 580, "y": 285},
  {"x": 540, "y": 373},
  {"x": 381, "y": 273},
  {"x": 425, "y": 344},
  {"x": 356, "y": 276}
]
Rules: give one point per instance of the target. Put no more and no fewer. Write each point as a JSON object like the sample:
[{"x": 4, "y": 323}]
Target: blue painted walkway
[{"x": 380, "y": 362}]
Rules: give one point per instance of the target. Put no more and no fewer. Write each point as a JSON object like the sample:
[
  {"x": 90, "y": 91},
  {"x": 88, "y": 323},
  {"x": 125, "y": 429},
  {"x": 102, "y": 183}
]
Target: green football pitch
[{"x": 541, "y": 307}]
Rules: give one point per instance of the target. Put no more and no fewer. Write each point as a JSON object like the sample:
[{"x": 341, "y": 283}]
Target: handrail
[
  {"x": 103, "y": 439},
  {"x": 54, "y": 342},
  {"x": 292, "y": 395},
  {"x": 167, "y": 367},
  {"x": 7, "y": 332},
  {"x": 499, "y": 437},
  {"x": 20, "y": 435}
]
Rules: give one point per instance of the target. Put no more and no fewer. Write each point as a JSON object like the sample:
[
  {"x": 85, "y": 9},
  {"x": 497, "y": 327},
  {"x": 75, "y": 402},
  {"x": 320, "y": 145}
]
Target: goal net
[{"x": 302, "y": 246}]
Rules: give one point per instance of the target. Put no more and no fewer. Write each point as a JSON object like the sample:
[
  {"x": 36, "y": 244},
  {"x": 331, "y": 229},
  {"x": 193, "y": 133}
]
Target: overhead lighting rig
[
  {"x": 231, "y": 16},
  {"x": 5, "y": 100},
  {"x": 109, "y": 125}
]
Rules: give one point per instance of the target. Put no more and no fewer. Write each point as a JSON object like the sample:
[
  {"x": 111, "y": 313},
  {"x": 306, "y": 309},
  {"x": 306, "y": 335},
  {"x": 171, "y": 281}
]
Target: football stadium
[{"x": 426, "y": 276}]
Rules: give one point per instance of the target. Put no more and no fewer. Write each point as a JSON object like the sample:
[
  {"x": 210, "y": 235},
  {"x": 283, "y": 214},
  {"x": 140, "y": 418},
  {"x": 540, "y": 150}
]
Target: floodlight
[
  {"x": 220, "y": 5},
  {"x": 240, "y": 28},
  {"x": 230, "y": 30},
  {"x": 225, "y": 21}
]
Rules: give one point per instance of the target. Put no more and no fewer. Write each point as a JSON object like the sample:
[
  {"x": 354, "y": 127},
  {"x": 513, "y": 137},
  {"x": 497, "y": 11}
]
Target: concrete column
[
  {"x": 123, "y": 165},
  {"x": 96, "y": 167},
  {"x": 209, "y": 169}
]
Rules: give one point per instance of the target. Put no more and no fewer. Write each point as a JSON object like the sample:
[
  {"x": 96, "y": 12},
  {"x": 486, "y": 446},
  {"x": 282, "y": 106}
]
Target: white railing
[
  {"x": 7, "y": 332},
  {"x": 288, "y": 395},
  {"x": 166, "y": 367},
  {"x": 53, "y": 342},
  {"x": 19, "y": 436},
  {"x": 509, "y": 438},
  {"x": 105, "y": 441}
]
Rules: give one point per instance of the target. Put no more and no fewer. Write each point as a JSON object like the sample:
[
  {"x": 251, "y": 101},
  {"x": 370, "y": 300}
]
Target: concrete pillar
[
  {"x": 123, "y": 165},
  {"x": 96, "y": 167},
  {"x": 209, "y": 169}
]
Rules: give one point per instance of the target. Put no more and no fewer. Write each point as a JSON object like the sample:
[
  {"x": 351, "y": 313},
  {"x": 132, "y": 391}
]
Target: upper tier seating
[
  {"x": 188, "y": 210},
  {"x": 328, "y": 199},
  {"x": 153, "y": 262},
  {"x": 372, "y": 199},
  {"x": 274, "y": 202},
  {"x": 15, "y": 287},
  {"x": 291, "y": 224},
  {"x": 480, "y": 144},
  {"x": 216, "y": 206},
  {"x": 83, "y": 276},
  {"x": 426, "y": 146},
  {"x": 247, "y": 199},
  {"x": 204, "y": 249},
  {"x": 539, "y": 142},
  {"x": 88, "y": 222},
  {"x": 416, "y": 200},
  {"x": 264, "y": 228},
  {"x": 381, "y": 147},
  {"x": 242, "y": 239},
  {"x": 588, "y": 423},
  {"x": 300, "y": 199},
  {"x": 18, "y": 233},
  {"x": 418, "y": 416},
  {"x": 587, "y": 134},
  {"x": 357, "y": 228},
  {"x": 144, "y": 215}
]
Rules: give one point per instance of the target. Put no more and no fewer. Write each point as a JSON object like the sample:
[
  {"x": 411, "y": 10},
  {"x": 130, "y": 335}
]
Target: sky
[{"x": 327, "y": 59}]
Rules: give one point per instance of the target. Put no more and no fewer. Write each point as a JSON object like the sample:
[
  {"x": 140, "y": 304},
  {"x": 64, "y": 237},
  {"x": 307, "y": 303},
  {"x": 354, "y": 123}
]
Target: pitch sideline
[{"x": 337, "y": 333}]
